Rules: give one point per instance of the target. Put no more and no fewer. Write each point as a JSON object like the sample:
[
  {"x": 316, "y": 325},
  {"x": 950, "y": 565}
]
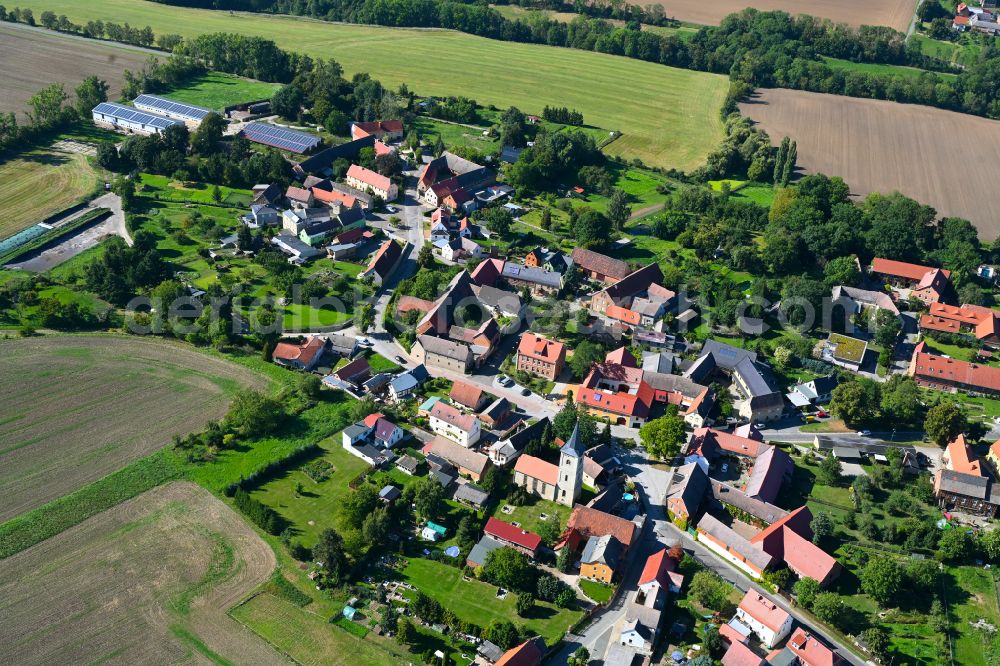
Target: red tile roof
[
  {"x": 730, "y": 634},
  {"x": 507, "y": 532},
  {"x": 369, "y": 177},
  {"x": 933, "y": 368},
  {"x": 739, "y": 654},
  {"x": 537, "y": 468},
  {"x": 304, "y": 352},
  {"x": 902, "y": 269},
  {"x": 449, "y": 414},
  {"x": 621, "y": 356},
  {"x": 487, "y": 272},
  {"x": 382, "y": 149},
  {"x": 385, "y": 258},
  {"x": 961, "y": 458},
  {"x": 334, "y": 197},
  {"x": 372, "y": 419},
  {"x": 588, "y": 522},
  {"x": 528, "y": 653},
  {"x": 537, "y": 347},
  {"x": 707, "y": 441},
  {"x": 466, "y": 394},
  {"x": 658, "y": 566},
  {"x": 788, "y": 539},
  {"x": 297, "y": 193},
  {"x": 408, "y": 303},
  {"x": 810, "y": 651},
  {"x": 763, "y": 610},
  {"x": 949, "y": 318},
  {"x": 636, "y": 403},
  {"x": 623, "y": 315},
  {"x": 353, "y": 369},
  {"x": 602, "y": 264}
]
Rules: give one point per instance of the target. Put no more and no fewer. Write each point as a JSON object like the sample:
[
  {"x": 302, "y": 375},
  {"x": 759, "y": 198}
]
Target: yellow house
[
  {"x": 601, "y": 557},
  {"x": 993, "y": 455}
]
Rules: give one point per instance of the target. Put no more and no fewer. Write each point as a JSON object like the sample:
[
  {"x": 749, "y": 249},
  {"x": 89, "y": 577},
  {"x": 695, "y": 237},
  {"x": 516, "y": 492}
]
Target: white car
[
  {"x": 864, "y": 433},
  {"x": 725, "y": 467},
  {"x": 391, "y": 209},
  {"x": 365, "y": 342}
]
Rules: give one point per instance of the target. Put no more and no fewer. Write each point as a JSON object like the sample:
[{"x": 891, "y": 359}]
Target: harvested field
[
  {"x": 878, "y": 146},
  {"x": 892, "y": 13},
  {"x": 76, "y": 408},
  {"x": 671, "y": 118},
  {"x": 33, "y": 59},
  {"x": 147, "y": 582}
]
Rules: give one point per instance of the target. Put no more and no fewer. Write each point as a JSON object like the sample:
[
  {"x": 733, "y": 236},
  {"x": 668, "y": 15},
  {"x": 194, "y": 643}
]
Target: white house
[
  {"x": 770, "y": 623},
  {"x": 449, "y": 422},
  {"x": 367, "y": 180},
  {"x": 384, "y": 433},
  {"x": 640, "y": 628}
]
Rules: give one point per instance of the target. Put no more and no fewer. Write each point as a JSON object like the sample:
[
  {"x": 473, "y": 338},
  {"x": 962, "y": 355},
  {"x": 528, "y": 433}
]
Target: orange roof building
[
  {"x": 973, "y": 320},
  {"x": 790, "y": 539},
  {"x": 945, "y": 373},
  {"x": 540, "y": 356},
  {"x": 924, "y": 282},
  {"x": 765, "y": 618},
  {"x": 468, "y": 395},
  {"x": 810, "y": 651},
  {"x": 537, "y": 476},
  {"x": 367, "y": 180},
  {"x": 958, "y": 457},
  {"x": 528, "y": 653},
  {"x": 302, "y": 356}
]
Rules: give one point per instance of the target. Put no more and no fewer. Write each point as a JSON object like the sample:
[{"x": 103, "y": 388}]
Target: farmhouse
[
  {"x": 301, "y": 356},
  {"x": 449, "y": 422},
  {"x": 367, "y": 180},
  {"x": 600, "y": 267},
  {"x": 391, "y": 130},
  {"x": 514, "y": 537},
  {"x": 643, "y": 283},
  {"x": 951, "y": 374},
  {"x": 856, "y": 300},
  {"x": 973, "y": 321},
  {"x": 922, "y": 282},
  {"x": 383, "y": 262},
  {"x": 131, "y": 121},
  {"x": 468, "y": 463},
  {"x": 510, "y": 446},
  {"x": 468, "y": 395},
  {"x": 441, "y": 353},
  {"x": 687, "y": 492},
  {"x": 761, "y": 400},
  {"x": 550, "y": 260},
  {"x": 539, "y": 356},
  {"x": 451, "y": 176},
  {"x": 601, "y": 557},
  {"x": 189, "y": 114},
  {"x": 586, "y": 522},
  {"x": 769, "y": 622},
  {"x": 617, "y": 392},
  {"x": 385, "y": 433}
]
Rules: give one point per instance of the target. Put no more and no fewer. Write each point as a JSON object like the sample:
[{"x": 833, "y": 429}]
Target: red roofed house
[
  {"x": 810, "y": 651},
  {"x": 621, "y": 356},
  {"x": 922, "y": 282},
  {"x": 367, "y": 180},
  {"x": 384, "y": 431},
  {"x": 617, "y": 392},
  {"x": 597, "y": 266},
  {"x": 993, "y": 455},
  {"x": 524, "y": 541},
  {"x": 539, "y": 356},
  {"x": 624, "y": 315},
  {"x": 383, "y": 262},
  {"x": 380, "y": 129},
  {"x": 971, "y": 320},
  {"x": 711, "y": 443},
  {"x": 356, "y": 371},
  {"x": 789, "y": 539},
  {"x": 765, "y": 618},
  {"x": 528, "y": 653},
  {"x": 959, "y": 457},
  {"x": 949, "y": 374},
  {"x": 659, "y": 576},
  {"x": 449, "y": 422},
  {"x": 334, "y": 199},
  {"x": 412, "y": 303},
  {"x": 739, "y": 654},
  {"x": 488, "y": 272},
  {"x": 301, "y": 356},
  {"x": 537, "y": 476},
  {"x": 468, "y": 395},
  {"x": 586, "y": 522}
]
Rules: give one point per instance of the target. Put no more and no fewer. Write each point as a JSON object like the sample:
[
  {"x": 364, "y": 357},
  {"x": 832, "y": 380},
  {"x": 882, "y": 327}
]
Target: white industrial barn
[
  {"x": 190, "y": 115},
  {"x": 125, "y": 118}
]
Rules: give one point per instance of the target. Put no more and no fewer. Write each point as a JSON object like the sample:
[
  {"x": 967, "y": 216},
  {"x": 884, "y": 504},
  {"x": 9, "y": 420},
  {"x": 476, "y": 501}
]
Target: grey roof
[
  {"x": 574, "y": 445},
  {"x": 293, "y": 244},
  {"x": 492, "y": 652},
  {"x": 690, "y": 484},
  {"x": 520, "y": 439},
  {"x": 755, "y": 378},
  {"x": 641, "y": 619},
  {"x": 420, "y": 373},
  {"x": 371, "y": 453},
  {"x": 533, "y": 275},
  {"x": 738, "y": 544},
  {"x": 968, "y": 485},
  {"x": 443, "y": 347},
  {"x": 458, "y": 455},
  {"x": 658, "y": 362},
  {"x": 498, "y": 408},
  {"x": 472, "y": 494},
  {"x": 601, "y": 453},
  {"x": 646, "y": 306},
  {"x": 342, "y": 344},
  {"x": 605, "y": 549},
  {"x": 757, "y": 508},
  {"x": 673, "y": 383},
  {"x": 377, "y": 382},
  {"x": 389, "y": 493},
  {"x": 485, "y": 546},
  {"x": 403, "y": 382},
  {"x": 508, "y": 301},
  {"x": 354, "y": 431},
  {"x": 409, "y": 463},
  {"x": 129, "y": 114},
  {"x": 726, "y": 356},
  {"x": 770, "y": 469}
]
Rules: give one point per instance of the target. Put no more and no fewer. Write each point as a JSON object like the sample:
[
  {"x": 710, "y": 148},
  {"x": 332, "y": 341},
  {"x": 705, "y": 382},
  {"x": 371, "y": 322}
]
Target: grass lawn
[
  {"x": 529, "y": 516},
  {"x": 954, "y": 351},
  {"x": 380, "y": 363},
  {"x": 453, "y": 135},
  {"x": 304, "y": 317},
  {"x": 671, "y": 120},
  {"x": 879, "y": 69},
  {"x": 640, "y": 185},
  {"x": 319, "y": 506},
  {"x": 599, "y": 592},
  {"x": 475, "y": 601},
  {"x": 165, "y": 188},
  {"x": 964, "y": 52},
  {"x": 216, "y": 90}
]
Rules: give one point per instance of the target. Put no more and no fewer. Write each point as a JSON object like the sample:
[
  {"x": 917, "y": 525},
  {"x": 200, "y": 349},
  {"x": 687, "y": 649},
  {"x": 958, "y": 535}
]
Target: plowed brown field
[
  {"x": 76, "y": 408},
  {"x": 892, "y": 13},
  {"x": 147, "y": 582},
  {"x": 945, "y": 159}
]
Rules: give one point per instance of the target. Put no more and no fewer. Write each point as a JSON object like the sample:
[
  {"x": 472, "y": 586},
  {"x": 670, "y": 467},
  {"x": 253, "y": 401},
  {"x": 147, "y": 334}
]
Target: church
[{"x": 557, "y": 483}]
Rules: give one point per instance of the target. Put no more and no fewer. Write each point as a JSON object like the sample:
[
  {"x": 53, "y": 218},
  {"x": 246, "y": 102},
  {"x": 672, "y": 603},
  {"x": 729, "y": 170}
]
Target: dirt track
[
  {"x": 945, "y": 159},
  {"x": 76, "y": 408},
  {"x": 893, "y": 13},
  {"x": 147, "y": 582}
]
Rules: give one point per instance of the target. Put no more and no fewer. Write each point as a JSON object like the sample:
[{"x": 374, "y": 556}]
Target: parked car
[
  {"x": 400, "y": 359},
  {"x": 822, "y": 415},
  {"x": 725, "y": 467},
  {"x": 365, "y": 342},
  {"x": 525, "y": 391},
  {"x": 864, "y": 433},
  {"x": 391, "y": 209}
]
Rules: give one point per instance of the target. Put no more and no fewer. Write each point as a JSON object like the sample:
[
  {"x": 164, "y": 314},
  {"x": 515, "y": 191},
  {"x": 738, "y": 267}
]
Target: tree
[
  {"x": 492, "y": 479},
  {"x": 91, "y": 92},
  {"x": 887, "y": 327},
  {"x": 359, "y": 505},
  {"x": 376, "y": 527},
  {"x": 591, "y": 228},
  {"x": 922, "y": 575},
  {"x": 550, "y": 530},
  {"x": 253, "y": 414},
  {"x": 618, "y": 209},
  {"x": 405, "y": 632},
  {"x": 525, "y": 602},
  {"x": 565, "y": 421},
  {"x": 579, "y": 658},
  {"x": 502, "y": 633},
  {"x": 330, "y": 552},
  {"x": 467, "y": 533},
  {"x": 663, "y": 437},
  {"x": 425, "y": 258},
  {"x": 806, "y": 590},
  {"x": 779, "y": 160},
  {"x": 955, "y": 545},
  {"x": 702, "y": 660},
  {"x": 878, "y": 642},
  {"x": 901, "y": 399},
  {"x": 429, "y": 498},
  {"x": 584, "y": 357},
  {"x": 205, "y": 140},
  {"x": 499, "y": 220},
  {"x": 944, "y": 422},
  {"x": 828, "y": 607},
  {"x": 509, "y": 568},
  {"x": 564, "y": 560},
  {"x": 709, "y": 590},
  {"x": 366, "y": 318},
  {"x": 882, "y": 579},
  {"x": 822, "y": 527},
  {"x": 789, "y": 166},
  {"x": 47, "y": 105},
  {"x": 990, "y": 543},
  {"x": 855, "y": 401},
  {"x": 362, "y": 408},
  {"x": 830, "y": 470},
  {"x": 841, "y": 271},
  {"x": 287, "y": 102}
]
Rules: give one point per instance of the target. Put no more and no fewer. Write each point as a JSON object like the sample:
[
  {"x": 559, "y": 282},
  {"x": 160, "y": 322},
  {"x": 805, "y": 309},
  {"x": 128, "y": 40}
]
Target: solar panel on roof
[
  {"x": 280, "y": 137},
  {"x": 168, "y": 106},
  {"x": 131, "y": 115}
]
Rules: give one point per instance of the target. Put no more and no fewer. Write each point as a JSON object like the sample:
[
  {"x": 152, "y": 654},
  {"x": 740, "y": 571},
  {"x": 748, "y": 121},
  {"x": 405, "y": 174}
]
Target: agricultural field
[
  {"x": 879, "y": 69},
  {"x": 879, "y": 146},
  {"x": 892, "y": 13},
  {"x": 517, "y": 12},
  {"x": 33, "y": 59},
  {"x": 148, "y": 581},
  {"x": 40, "y": 183},
  {"x": 671, "y": 120},
  {"x": 76, "y": 408},
  {"x": 216, "y": 90}
]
